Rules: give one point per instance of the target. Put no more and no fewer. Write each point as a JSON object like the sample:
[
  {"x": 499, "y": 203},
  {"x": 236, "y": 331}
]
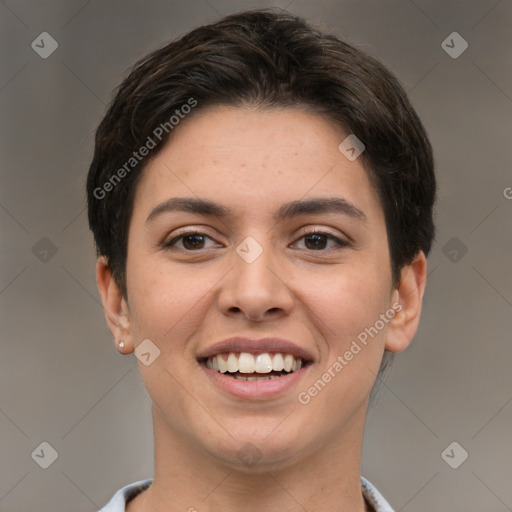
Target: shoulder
[
  {"x": 127, "y": 493},
  {"x": 374, "y": 497},
  {"x": 124, "y": 495}
]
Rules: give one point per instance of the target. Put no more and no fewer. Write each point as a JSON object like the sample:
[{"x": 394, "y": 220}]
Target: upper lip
[{"x": 256, "y": 346}]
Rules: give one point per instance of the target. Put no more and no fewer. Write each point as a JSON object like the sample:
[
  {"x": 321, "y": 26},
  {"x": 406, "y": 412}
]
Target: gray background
[{"x": 62, "y": 381}]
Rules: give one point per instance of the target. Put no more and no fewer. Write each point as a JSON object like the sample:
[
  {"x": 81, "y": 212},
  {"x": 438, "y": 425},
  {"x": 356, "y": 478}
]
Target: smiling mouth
[{"x": 254, "y": 367}]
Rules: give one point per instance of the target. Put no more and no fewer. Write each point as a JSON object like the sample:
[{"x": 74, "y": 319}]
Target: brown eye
[
  {"x": 193, "y": 241},
  {"x": 318, "y": 241},
  {"x": 190, "y": 241}
]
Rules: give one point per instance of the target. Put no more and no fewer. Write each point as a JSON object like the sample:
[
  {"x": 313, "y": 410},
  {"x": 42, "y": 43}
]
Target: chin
[{"x": 257, "y": 451}]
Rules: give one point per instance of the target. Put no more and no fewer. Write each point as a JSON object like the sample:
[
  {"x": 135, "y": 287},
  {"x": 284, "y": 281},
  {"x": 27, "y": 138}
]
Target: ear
[
  {"x": 115, "y": 307},
  {"x": 407, "y": 301}
]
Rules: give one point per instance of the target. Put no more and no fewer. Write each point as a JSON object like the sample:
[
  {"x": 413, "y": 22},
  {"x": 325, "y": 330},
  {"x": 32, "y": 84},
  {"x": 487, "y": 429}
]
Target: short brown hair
[{"x": 265, "y": 58}]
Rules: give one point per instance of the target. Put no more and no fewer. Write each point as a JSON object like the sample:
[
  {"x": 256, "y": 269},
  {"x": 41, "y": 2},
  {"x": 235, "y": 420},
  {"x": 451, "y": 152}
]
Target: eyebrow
[{"x": 286, "y": 211}]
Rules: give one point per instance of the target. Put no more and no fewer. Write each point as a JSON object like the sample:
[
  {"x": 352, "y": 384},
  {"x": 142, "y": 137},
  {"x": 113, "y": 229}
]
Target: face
[{"x": 295, "y": 250}]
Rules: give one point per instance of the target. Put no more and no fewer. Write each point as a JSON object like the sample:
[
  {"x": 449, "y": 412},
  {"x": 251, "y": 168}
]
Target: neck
[{"x": 188, "y": 478}]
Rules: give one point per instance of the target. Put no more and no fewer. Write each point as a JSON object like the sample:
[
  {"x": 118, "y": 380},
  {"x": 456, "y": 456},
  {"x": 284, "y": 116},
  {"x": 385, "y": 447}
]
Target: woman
[{"x": 261, "y": 199}]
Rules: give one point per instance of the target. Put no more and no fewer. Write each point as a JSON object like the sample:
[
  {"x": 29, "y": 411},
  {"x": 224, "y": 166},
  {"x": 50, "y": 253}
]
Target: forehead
[
  {"x": 238, "y": 134},
  {"x": 252, "y": 158}
]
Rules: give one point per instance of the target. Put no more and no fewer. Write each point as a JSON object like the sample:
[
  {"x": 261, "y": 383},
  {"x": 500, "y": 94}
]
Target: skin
[{"x": 185, "y": 300}]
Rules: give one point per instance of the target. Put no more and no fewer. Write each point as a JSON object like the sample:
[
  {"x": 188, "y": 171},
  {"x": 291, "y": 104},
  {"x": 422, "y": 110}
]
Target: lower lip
[{"x": 255, "y": 390}]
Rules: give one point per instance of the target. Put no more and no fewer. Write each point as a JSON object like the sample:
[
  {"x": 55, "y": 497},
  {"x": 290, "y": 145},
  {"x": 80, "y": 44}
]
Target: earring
[{"x": 121, "y": 344}]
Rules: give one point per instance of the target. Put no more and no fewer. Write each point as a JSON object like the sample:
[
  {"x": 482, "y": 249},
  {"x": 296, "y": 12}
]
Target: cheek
[
  {"x": 158, "y": 299},
  {"x": 347, "y": 300},
  {"x": 167, "y": 303},
  {"x": 346, "y": 309}
]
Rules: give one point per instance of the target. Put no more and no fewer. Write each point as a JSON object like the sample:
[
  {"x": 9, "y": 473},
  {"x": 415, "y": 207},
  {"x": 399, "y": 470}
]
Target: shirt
[{"x": 127, "y": 493}]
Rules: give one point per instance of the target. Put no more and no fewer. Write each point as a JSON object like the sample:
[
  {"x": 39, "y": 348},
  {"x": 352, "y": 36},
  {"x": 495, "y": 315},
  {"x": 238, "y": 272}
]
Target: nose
[{"x": 256, "y": 290}]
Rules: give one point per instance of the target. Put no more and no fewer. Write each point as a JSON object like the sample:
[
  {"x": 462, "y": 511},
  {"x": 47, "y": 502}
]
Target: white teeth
[
  {"x": 263, "y": 364},
  {"x": 248, "y": 363},
  {"x": 251, "y": 379},
  {"x": 278, "y": 363},
  {"x": 232, "y": 363},
  {"x": 223, "y": 365},
  {"x": 288, "y": 362}
]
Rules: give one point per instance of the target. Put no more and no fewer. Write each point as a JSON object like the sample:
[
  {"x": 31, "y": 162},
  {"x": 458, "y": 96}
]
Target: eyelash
[{"x": 169, "y": 245}]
